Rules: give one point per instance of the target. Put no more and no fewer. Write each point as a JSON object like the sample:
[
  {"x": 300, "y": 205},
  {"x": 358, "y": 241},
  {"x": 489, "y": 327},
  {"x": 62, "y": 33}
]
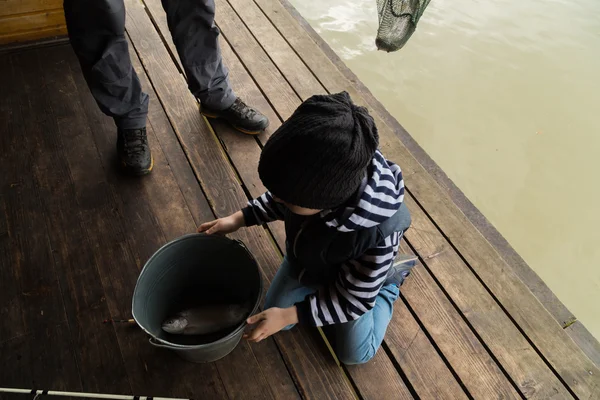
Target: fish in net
[{"x": 397, "y": 21}]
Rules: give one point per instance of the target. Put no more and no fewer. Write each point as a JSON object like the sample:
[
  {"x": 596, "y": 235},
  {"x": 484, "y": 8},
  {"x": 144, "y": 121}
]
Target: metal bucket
[{"x": 196, "y": 267}]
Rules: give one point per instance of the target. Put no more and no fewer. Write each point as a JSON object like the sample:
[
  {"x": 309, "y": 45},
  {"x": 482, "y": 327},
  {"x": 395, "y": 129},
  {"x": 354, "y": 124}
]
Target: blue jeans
[{"x": 355, "y": 342}]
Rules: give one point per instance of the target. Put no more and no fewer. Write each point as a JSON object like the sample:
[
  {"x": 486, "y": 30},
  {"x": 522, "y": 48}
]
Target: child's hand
[
  {"x": 223, "y": 226},
  {"x": 270, "y": 322}
]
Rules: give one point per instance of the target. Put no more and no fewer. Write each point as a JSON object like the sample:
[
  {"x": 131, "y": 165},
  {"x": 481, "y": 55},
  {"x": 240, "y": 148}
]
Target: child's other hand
[
  {"x": 223, "y": 226},
  {"x": 270, "y": 322}
]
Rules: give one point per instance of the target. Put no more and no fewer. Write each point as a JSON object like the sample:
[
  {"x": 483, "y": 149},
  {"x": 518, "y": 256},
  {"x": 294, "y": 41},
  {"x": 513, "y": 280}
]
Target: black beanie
[{"x": 319, "y": 156}]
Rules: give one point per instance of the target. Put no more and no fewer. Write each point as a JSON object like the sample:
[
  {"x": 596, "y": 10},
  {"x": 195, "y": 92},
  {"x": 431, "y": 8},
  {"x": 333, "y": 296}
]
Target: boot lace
[
  {"x": 135, "y": 142},
  {"x": 240, "y": 108}
]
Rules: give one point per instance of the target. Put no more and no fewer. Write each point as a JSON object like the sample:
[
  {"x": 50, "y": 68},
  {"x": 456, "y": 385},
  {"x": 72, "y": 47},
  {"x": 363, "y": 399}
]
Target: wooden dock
[{"x": 74, "y": 234}]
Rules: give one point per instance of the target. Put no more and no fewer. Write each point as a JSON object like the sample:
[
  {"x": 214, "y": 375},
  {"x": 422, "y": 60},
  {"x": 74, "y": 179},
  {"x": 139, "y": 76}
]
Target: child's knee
[{"x": 356, "y": 357}]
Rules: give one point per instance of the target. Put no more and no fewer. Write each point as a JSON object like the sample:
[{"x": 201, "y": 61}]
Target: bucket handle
[
  {"x": 243, "y": 245},
  {"x": 156, "y": 343}
]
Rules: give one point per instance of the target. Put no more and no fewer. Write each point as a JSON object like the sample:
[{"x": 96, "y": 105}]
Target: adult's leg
[
  {"x": 356, "y": 342},
  {"x": 196, "y": 37},
  {"x": 286, "y": 290},
  {"x": 97, "y": 33}
]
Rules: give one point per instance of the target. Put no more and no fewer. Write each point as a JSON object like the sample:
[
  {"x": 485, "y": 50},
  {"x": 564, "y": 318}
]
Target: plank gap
[
  {"x": 403, "y": 375},
  {"x": 271, "y": 104},
  {"x": 292, "y": 47},
  {"x": 263, "y": 49},
  {"x": 435, "y": 345}
]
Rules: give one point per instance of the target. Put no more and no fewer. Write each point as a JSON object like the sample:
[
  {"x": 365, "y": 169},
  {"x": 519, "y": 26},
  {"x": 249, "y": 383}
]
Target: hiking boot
[
  {"x": 401, "y": 269},
  {"x": 133, "y": 151},
  {"x": 241, "y": 116}
]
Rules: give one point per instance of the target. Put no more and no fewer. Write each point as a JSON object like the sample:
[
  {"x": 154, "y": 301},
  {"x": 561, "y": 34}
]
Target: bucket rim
[{"x": 189, "y": 237}]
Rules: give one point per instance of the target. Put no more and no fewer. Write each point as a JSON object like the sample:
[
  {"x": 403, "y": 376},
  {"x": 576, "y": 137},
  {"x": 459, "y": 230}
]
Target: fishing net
[{"x": 397, "y": 21}]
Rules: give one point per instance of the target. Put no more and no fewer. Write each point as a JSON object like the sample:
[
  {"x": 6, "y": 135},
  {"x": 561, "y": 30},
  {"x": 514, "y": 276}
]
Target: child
[{"x": 341, "y": 201}]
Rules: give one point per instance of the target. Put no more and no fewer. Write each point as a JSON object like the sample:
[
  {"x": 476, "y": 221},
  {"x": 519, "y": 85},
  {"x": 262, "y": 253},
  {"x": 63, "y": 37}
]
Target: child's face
[{"x": 297, "y": 210}]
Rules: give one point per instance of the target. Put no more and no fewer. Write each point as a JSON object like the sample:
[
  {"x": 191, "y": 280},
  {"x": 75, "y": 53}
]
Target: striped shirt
[{"x": 359, "y": 281}]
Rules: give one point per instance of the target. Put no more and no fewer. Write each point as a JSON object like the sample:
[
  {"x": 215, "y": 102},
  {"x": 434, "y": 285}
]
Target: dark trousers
[{"x": 97, "y": 34}]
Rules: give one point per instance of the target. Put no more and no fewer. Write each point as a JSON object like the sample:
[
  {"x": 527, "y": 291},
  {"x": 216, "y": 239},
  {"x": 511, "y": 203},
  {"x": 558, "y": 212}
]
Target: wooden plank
[
  {"x": 28, "y": 274},
  {"x": 28, "y": 36},
  {"x": 31, "y": 265},
  {"x": 304, "y": 82},
  {"x": 133, "y": 197},
  {"x": 42, "y": 304},
  {"x": 412, "y": 350},
  {"x": 93, "y": 195},
  {"x": 314, "y": 371},
  {"x": 97, "y": 352},
  {"x": 562, "y": 353},
  {"x": 469, "y": 359},
  {"x": 238, "y": 147},
  {"x": 579, "y": 333},
  {"x": 275, "y": 369},
  {"x": 10, "y": 7},
  {"x": 514, "y": 353},
  {"x": 11, "y": 305},
  {"x": 379, "y": 379},
  {"x": 173, "y": 153},
  {"x": 220, "y": 183},
  {"x": 282, "y": 96},
  {"x": 42, "y": 359},
  {"x": 32, "y": 22},
  {"x": 245, "y": 87},
  {"x": 244, "y": 379}
]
